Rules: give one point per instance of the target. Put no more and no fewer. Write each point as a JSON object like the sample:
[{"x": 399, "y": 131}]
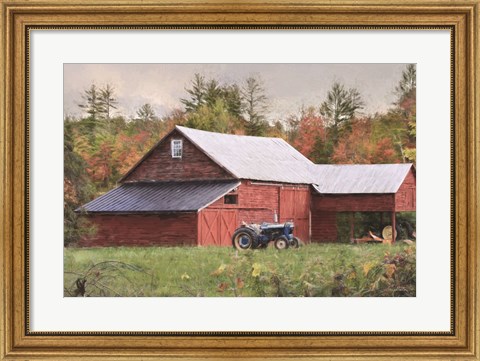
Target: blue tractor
[{"x": 260, "y": 235}]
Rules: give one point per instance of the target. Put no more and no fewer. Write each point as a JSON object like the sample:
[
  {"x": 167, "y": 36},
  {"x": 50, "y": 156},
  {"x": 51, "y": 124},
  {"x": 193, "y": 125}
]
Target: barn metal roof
[
  {"x": 249, "y": 157},
  {"x": 359, "y": 179},
  {"x": 159, "y": 197}
]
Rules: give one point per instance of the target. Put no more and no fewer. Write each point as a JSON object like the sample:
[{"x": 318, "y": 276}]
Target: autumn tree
[
  {"x": 102, "y": 166},
  {"x": 176, "y": 117},
  {"x": 129, "y": 148},
  {"x": 391, "y": 125},
  {"x": 377, "y": 139},
  {"x": 277, "y": 130},
  {"x": 355, "y": 147},
  {"x": 312, "y": 138},
  {"x": 78, "y": 189},
  {"x": 97, "y": 134}
]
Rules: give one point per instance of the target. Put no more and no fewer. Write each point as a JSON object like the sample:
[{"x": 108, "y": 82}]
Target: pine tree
[
  {"x": 340, "y": 107},
  {"x": 197, "y": 94},
  {"x": 255, "y": 106},
  {"x": 107, "y": 101}
]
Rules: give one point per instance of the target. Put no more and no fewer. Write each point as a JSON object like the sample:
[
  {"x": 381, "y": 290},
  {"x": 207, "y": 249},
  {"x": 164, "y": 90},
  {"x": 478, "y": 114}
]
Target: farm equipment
[
  {"x": 260, "y": 235},
  {"x": 386, "y": 235}
]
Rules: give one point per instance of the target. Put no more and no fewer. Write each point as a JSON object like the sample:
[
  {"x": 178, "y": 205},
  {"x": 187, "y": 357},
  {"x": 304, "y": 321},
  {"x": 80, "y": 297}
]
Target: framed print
[{"x": 331, "y": 135}]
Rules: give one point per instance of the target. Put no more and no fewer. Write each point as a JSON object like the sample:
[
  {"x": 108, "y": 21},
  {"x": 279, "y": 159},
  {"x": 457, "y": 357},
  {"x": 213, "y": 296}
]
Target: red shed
[{"x": 359, "y": 188}]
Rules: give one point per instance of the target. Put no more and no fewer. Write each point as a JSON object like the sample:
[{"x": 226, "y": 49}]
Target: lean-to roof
[{"x": 138, "y": 197}]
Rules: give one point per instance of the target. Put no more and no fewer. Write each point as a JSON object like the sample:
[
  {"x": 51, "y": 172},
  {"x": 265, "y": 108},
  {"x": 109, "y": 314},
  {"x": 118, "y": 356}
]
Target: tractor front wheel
[
  {"x": 294, "y": 242},
  {"x": 243, "y": 238},
  {"x": 281, "y": 242}
]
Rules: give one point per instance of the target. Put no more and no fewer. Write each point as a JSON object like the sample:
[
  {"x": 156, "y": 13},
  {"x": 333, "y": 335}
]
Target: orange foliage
[
  {"x": 355, "y": 147},
  {"x": 129, "y": 149},
  {"x": 100, "y": 163},
  {"x": 114, "y": 156},
  {"x": 358, "y": 147},
  {"x": 70, "y": 194},
  {"x": 384, "y": 152},
  {"x": 310, "y": 129}
]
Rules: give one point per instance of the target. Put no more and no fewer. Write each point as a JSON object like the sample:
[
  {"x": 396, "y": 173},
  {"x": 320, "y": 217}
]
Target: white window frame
[{"x": 177, "y": 148}]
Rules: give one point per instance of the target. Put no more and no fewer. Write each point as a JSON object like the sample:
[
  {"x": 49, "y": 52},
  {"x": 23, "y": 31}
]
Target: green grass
[{"x": 314, "y": 270}]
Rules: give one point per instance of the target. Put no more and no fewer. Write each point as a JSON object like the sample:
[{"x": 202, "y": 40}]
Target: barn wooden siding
[
  {"x": 354, "y": 202},
  {"x": 257, "y": 203},
  {"x": 142, "y": 230},
  {"x": 324, "y": 226},
  {"x": 160, "y": 166},
  {"x": 405, "y": 198}
]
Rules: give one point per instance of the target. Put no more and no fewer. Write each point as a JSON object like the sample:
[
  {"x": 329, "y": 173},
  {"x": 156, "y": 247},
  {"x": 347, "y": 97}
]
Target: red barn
[{"x": 195, "y": 188}]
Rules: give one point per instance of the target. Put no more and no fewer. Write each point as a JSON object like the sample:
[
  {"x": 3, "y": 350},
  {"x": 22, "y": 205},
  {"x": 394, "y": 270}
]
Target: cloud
[{"x": 288, "y": 86}]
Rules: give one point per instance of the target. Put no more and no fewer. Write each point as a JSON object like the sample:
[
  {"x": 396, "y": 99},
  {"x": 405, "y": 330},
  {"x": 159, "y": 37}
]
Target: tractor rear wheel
[
  {"x": 242, "y": 239},
  {"x": 281, "y": 243}
]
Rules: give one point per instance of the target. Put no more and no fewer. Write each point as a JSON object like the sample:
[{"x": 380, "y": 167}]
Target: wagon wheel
[
  {"x": 243, "y": 238},
  {"x": 387, "y": 233},
  {"x": 281, "y": 243}
]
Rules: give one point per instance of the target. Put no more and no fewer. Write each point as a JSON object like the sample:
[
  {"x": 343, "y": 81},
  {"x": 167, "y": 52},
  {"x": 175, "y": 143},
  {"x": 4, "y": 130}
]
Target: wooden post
[
  {"x": 394, "y": 226},
  {"x": 352, "y": 227}
]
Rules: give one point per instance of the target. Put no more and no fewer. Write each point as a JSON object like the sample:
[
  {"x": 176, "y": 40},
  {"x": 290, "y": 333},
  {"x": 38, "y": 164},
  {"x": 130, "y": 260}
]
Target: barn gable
[
  {"x": 160, "y": 165},
  {"x": 406, "y": 197}
]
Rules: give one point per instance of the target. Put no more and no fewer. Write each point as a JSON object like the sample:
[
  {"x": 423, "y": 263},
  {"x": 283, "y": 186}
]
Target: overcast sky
[{"x": 288, "y": 86}]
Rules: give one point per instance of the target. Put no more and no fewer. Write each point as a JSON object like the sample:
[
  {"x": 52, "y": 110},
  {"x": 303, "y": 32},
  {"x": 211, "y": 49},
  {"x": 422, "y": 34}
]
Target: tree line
[{"x": 102, "y": 144}]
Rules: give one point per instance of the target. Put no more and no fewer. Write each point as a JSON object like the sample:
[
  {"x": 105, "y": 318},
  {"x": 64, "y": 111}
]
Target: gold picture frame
[{"x": 18, "y": 17}]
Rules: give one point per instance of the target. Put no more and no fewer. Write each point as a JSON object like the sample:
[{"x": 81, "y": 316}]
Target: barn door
[
  {"x": 295, "y": 206},
  {"x": 216, "y": 227}
]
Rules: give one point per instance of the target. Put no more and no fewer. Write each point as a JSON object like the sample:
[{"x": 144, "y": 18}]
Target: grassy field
[{"x": 314, "y": 270}]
